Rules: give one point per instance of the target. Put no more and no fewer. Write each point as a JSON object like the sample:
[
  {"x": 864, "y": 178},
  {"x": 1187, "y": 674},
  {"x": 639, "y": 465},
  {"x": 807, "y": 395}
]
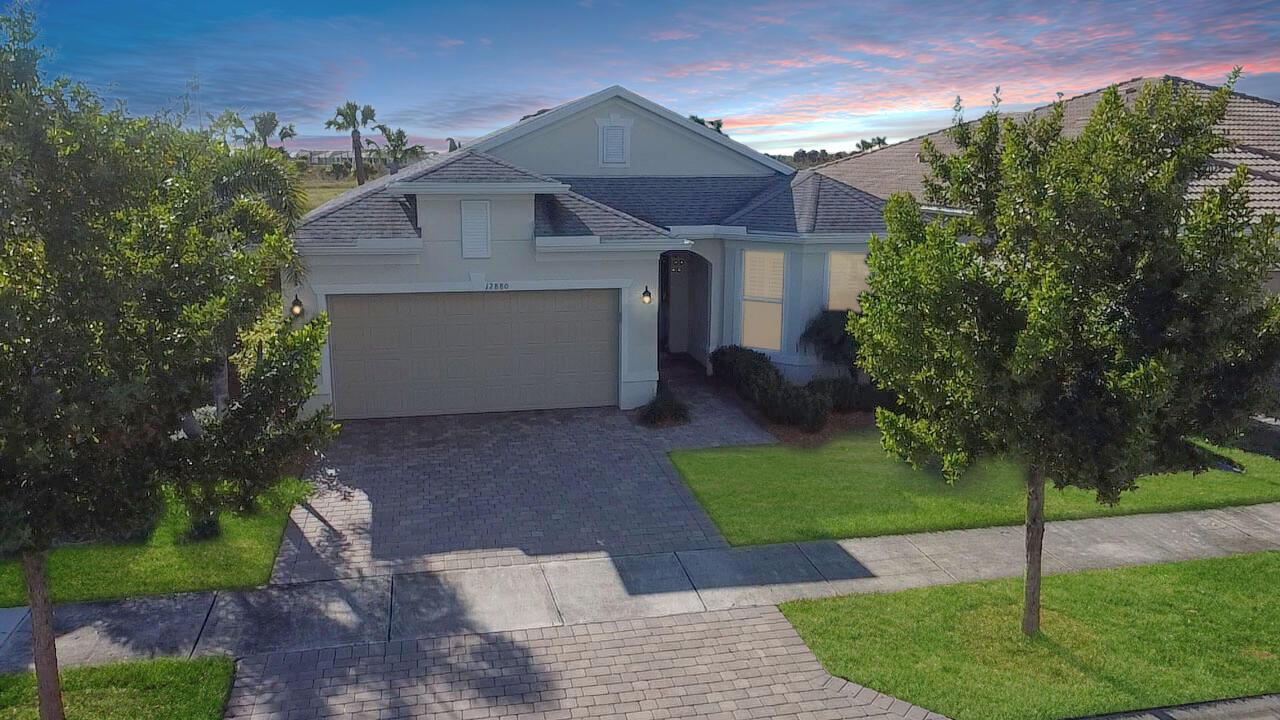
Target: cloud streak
[{"x": 779, "y": 73}]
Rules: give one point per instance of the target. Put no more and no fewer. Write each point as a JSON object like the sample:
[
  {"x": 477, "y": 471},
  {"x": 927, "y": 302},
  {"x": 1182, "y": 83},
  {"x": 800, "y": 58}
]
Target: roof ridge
[
  {"x": 767, "y": 194},
  {"x": 615, "y": 211},
  {"x": 511, "y": 166},
  {"x": 374, "y": 185},
  {"x": 1038, "y": 108},
  {"x": 1265, "y": 175},
  {"x": 1255, "y": 150},
  {"x": 410, "y": 173}
]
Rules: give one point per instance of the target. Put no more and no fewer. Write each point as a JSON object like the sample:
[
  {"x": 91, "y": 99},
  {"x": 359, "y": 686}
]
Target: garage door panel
[{"x": 423, "y": 354}]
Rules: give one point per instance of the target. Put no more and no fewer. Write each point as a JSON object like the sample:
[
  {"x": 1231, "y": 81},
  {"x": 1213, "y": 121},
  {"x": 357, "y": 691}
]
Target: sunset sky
[{"x": 783, "y": 75}]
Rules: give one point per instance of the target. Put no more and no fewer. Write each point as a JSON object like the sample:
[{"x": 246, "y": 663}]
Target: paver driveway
[{"x": 446, "y": 493}]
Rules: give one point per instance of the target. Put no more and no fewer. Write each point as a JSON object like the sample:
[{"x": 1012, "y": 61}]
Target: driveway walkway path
[{"x": 570, "y": 593}]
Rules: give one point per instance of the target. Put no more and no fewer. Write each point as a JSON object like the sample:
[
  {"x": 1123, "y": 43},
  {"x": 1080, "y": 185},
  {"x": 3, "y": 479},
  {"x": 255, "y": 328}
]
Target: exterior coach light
[
  {"x": 296, "y": 307},
  {"x": 646, "y": 297}
]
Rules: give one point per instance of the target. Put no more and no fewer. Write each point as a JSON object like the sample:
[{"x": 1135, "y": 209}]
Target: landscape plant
[
  {"x": 349, "y": 117},
  {"x": 1089, "y": 314},
  {"x": 136, "y": 254}
]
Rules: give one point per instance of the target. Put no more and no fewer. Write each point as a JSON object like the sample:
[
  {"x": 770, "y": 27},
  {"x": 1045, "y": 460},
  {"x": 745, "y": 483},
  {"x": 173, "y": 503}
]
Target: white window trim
[
  {"x": 462, "y": 230},
  {"x": 782, "y": 320},
  {"x": 614, "y": 120},
  {"x": 826, "y": 278}
]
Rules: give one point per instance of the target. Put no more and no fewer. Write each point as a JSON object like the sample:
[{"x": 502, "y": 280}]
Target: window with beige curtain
[
  {"x": 762, "y": 273},
  {"x": 846, "y": 278}
]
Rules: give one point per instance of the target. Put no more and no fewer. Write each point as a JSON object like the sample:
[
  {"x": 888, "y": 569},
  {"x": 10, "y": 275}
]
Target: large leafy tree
[
  {"x": 395, "y": 151},
  {"x": 1089, "y": 315},
  {"x": 351, "y": 117},
  {"x": 135, "y": 255}
]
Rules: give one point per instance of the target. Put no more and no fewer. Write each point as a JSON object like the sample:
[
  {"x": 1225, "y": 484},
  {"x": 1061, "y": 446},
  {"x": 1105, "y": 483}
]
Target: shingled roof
[
  {"x": 809, "y": 202},
  {"x": 376, "y": 211},
  {"x": 570, "y": 214},
  {"x": 672, "y": 201},
  {"x": 1251, "y": 122}
]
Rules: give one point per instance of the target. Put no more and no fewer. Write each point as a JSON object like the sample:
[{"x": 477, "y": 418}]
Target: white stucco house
[{"x": 552, "y": 264}]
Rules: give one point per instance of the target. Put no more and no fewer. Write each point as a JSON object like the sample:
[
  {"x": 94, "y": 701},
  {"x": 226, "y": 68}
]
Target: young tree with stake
[{"x": 1088, "y": 316}]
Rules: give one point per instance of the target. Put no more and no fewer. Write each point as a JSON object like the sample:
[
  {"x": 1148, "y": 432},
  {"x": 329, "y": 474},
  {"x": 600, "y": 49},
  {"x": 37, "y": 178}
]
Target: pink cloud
[
  {"x": 445, "y": 43},
  {"x": 673, "y": 34}
]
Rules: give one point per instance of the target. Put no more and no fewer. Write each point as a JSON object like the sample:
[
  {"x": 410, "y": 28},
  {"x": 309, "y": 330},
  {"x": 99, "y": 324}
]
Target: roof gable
[{"x": 549, "y": 118}]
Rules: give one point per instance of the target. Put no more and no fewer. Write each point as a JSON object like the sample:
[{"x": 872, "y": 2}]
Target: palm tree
[
  {"x": 349, "y": 116},
  {"x": 395, "y": 150},
  {"x": 265, "y": 125},
  {"x": 716, "y": 125},
  {"x": 873, "y": 143}
]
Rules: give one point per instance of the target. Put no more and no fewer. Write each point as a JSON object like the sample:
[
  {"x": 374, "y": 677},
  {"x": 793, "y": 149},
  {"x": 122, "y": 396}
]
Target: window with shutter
[
  {"x": 846, "y": 279},
  {"x": 475, "y": 229},
  {"x": 762, "y": 287}
]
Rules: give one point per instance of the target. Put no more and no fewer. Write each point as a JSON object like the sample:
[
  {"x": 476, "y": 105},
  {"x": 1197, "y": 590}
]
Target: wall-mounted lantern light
[
  {"x": 646, "y": 297},
  {"x": 296, "y": 307}
]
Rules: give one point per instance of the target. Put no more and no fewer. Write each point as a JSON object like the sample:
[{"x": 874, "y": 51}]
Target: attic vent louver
[{"x": 615, "y": 141}]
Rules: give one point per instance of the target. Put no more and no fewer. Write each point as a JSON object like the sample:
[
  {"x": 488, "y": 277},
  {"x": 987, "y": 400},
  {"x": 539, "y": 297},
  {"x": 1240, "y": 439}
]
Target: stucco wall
[
  {"x": 439, "y": 267},
  {"x": 658, "y": 148}
]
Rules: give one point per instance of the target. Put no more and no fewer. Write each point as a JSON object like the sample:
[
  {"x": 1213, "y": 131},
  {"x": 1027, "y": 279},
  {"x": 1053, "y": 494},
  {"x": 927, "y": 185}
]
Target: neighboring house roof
[
  {"x": 672, "y": 201},
  {"x": 1252, "y": 122},
  {"x": 810, "y": 202},
  {"x": 543, "y": 118}
]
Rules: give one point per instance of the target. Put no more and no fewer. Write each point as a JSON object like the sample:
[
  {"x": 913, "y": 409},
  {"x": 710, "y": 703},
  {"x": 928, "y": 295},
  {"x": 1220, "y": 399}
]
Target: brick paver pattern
[
  {"x": 743, "y": 663},
  {"x": 457, "y": 492}
]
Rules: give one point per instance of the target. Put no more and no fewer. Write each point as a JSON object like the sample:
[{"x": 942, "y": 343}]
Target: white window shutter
[{"x": 475, "y": 229}]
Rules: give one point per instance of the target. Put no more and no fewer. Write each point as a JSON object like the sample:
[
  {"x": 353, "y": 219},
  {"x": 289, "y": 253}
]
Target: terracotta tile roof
[
  {"x": 1253, "y": 123},
  {"x": 809, "y": 202}
]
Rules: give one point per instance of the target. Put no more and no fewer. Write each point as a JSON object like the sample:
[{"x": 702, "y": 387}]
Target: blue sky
[{"x": 787, "y": 74}]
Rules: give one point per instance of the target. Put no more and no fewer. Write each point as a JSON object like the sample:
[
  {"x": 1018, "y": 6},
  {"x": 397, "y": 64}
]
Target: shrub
[
  {"x": 827, "y": 334},
  {"x": 754, "y": 376},
  {"x": 664, "y": 409},
  {"x": 850, "y": 396}
]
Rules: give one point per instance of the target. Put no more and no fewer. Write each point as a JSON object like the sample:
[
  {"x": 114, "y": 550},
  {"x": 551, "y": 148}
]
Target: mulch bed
[{"x": 837, "y": 423}]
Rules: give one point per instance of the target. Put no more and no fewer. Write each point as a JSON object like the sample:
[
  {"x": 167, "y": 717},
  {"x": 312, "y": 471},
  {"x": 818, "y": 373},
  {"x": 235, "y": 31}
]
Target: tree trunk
[
  {"x": 361, "y": 177},
  {"x": 221, "y": 386},
  {"x": 43, "y": 650},
  {"x": 1035, "y": 544}
]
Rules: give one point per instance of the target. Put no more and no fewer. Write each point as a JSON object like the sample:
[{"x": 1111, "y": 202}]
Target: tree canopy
[
  {"x": 136, "y": 257},
  {"x": 1086, "y": 312}
]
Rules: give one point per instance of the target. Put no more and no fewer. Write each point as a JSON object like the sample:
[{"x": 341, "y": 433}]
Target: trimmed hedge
[
  {"x": 850, "y": 396},
  {"x": 756, "y": 378}
]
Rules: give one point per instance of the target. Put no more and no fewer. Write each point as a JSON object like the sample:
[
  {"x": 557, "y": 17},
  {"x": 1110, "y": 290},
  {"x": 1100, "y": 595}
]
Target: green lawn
[
  {"x": 851, "y": 488},
  {"x": 1113, "y": 640},
  {"x": 150, "y": 690},
  {"x": 241, "y": 557},
  {"x": 320, "y": 192}
]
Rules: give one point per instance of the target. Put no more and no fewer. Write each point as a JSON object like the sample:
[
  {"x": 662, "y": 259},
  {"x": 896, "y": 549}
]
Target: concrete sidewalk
[{"x": 322, "y": 614}]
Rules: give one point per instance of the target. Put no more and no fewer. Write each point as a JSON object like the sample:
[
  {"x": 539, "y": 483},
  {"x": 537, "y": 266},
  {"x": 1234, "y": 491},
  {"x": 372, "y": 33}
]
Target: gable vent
[
  {"x": 615, "y": 145},
  {"x": 475, "y": 229},
  {"x": 615, "y": 141}
]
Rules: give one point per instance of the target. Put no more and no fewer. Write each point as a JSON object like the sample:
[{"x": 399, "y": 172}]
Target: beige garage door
[{"x": 438, "y": 353}]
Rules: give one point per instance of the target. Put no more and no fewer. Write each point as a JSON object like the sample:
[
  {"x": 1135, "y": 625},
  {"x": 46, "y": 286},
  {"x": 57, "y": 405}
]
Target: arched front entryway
[{"x": 684, "y": 312}]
